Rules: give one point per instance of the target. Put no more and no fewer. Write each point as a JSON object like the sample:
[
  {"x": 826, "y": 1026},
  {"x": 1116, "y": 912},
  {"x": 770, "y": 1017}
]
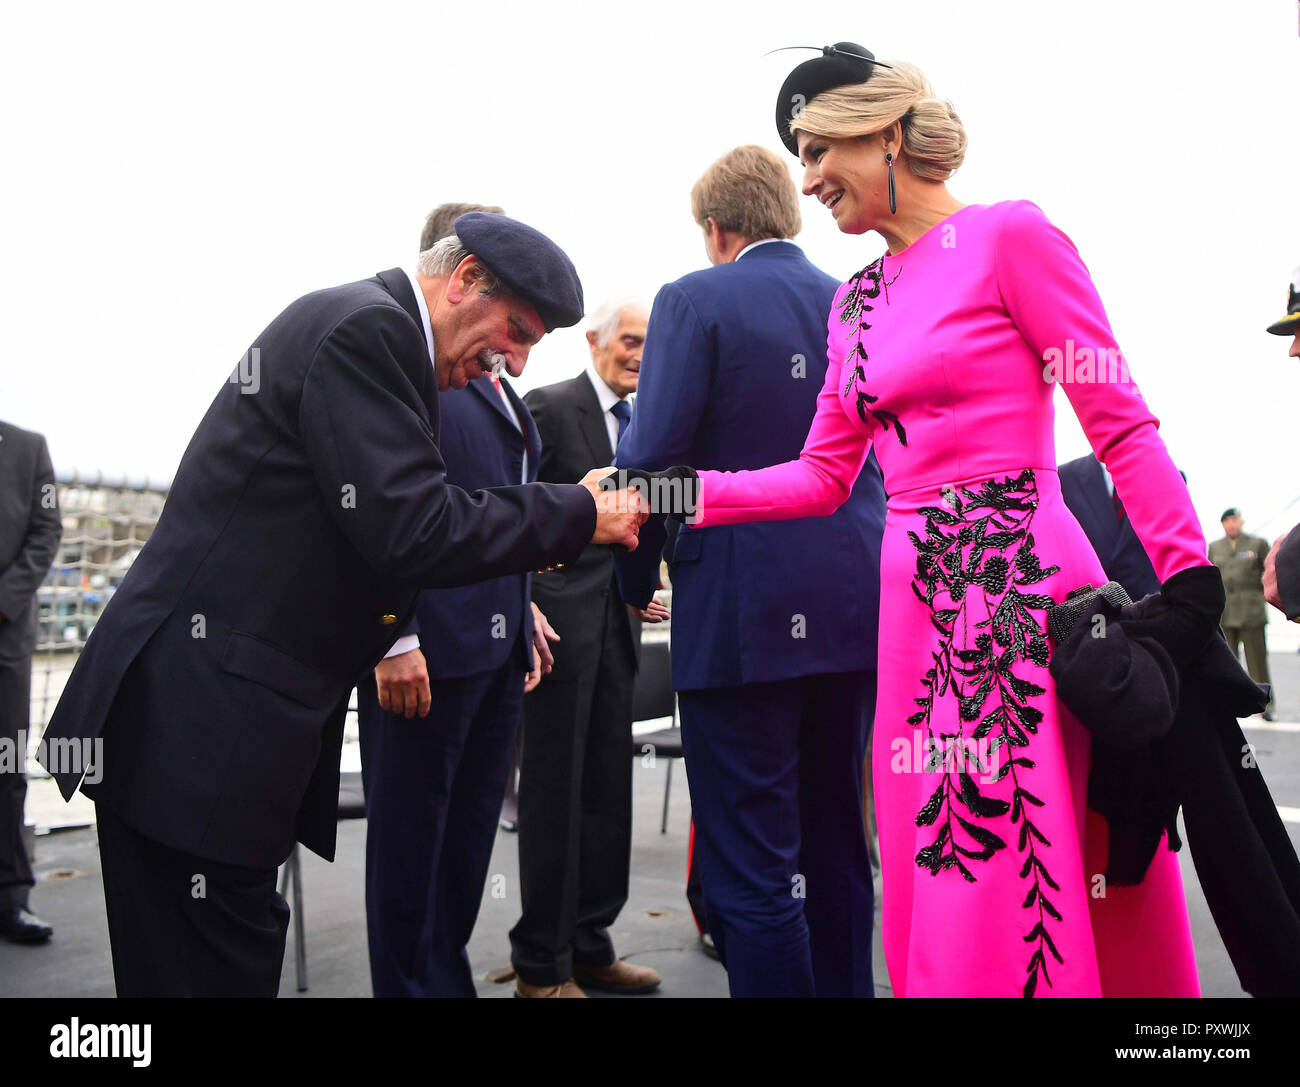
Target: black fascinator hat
[{"x": 839, "y": 65}]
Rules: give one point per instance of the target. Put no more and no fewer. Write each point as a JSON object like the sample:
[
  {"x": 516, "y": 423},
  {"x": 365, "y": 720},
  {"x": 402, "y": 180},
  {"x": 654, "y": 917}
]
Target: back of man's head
[
  {"x": 749, "y": 192},
  {"x": 438, "y": 224}
]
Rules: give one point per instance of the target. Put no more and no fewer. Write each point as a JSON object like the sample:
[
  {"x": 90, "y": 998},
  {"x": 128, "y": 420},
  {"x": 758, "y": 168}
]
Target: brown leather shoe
[
  {"x": 568, "y": 990},
  {"x": 618, "y": 977}
]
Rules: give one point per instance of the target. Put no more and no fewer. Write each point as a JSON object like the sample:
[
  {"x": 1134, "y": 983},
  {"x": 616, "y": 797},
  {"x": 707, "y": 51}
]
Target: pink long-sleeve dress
[{"x": 945, "y": 357}]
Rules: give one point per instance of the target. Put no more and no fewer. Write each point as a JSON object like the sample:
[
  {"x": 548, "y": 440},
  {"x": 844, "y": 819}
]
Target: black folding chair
[{"x": 653, "y": 698}]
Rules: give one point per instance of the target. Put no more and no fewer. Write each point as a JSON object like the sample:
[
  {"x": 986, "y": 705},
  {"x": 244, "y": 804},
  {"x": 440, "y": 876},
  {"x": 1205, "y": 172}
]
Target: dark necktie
[{"x": 622, "y": 411}]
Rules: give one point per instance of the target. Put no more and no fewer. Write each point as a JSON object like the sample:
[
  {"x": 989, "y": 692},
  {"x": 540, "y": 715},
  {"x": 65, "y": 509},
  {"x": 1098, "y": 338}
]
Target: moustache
[{"x": 491, "y": 362}]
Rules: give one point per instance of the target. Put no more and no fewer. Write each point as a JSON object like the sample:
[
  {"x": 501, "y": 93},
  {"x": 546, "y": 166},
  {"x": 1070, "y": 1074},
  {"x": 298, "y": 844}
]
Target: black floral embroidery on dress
[
  {"x": 856, "y": 306},
  {"x": 979, "y": 552}
]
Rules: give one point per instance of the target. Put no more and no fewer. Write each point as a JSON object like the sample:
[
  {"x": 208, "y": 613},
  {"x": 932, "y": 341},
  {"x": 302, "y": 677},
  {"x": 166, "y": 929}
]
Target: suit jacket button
[{"x": 387, "y": 620}]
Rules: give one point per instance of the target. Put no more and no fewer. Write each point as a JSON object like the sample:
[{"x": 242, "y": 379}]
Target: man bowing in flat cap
[{"x": 308, "y": 511}]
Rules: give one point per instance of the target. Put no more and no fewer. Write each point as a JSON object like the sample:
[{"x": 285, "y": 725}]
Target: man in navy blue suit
[
  {"x": 774, "y": 625},
  {"x": 433, "y": 786}
]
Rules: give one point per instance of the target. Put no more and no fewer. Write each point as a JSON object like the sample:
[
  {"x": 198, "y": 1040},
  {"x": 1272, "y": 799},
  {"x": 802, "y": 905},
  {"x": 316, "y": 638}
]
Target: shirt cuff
[{"x": 404, "y": 644}]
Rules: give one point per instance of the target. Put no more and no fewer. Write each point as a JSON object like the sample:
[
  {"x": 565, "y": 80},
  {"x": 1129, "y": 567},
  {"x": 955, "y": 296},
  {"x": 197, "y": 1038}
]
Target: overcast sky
[{"x": 176, "y": 175}]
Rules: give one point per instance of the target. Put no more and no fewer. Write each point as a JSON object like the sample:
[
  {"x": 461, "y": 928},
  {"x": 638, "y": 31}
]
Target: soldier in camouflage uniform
[{"x": 1240, "y": 559}]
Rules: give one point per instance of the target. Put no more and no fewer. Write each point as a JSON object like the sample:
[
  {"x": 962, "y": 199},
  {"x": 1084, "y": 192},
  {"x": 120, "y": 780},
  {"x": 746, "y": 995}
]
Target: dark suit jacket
[
  {"x": 30, "y": 530},
  {"x": 303, "y": 520},
  {"x": 475, "y": 627},
  {"x": 718, "y": 390},
  {"x": 1083, "y": 487},
  {"x": 574, "y": 441}
]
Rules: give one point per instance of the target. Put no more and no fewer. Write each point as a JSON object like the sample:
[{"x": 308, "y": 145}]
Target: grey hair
[
  {"x": 604, "y": 322},
  {"x": 445, "y": 256}
]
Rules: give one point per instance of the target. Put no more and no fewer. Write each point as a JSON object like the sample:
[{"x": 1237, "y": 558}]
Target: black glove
[
  {"x": 1194, "y": 600},
  {"x": 672, "y": 492}
]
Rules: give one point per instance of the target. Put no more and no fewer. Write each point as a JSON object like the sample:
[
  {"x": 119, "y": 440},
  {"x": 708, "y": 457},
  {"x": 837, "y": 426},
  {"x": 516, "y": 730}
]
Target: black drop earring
[{"x": 893, "y": 198}]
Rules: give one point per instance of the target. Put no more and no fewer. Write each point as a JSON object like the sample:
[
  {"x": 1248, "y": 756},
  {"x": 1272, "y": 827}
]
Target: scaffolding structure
[{"x": 106, "y": 521}]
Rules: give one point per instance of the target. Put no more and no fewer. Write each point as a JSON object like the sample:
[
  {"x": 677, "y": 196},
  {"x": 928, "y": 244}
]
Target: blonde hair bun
[{"x": 934, "y": 139}]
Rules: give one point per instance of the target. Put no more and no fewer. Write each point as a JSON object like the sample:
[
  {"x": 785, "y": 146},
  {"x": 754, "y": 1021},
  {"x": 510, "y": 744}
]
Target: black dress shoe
[
  {"x": 19, "y": 926},
  {"x": 1268, "y": 715},
  {"x": 708, "y": 947}
]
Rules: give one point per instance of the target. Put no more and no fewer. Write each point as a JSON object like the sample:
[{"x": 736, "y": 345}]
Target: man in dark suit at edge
[
  {"x": 30, "y": 530},
  {"x": 309, "y": 509},
  {"x": 1282, "y": 564}
]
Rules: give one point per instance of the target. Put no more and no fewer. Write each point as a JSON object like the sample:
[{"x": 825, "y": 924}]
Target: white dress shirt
[
  {"x": 514, "y": 418},
  {"x": 424, "y": 314},
  {"x": 608, "y": 398},
  {"x": 764, "y": 241}
]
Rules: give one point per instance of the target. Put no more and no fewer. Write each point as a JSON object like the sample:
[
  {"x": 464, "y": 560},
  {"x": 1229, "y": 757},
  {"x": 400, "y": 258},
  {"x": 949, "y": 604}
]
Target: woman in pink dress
[{"x": 943, "y": 356}]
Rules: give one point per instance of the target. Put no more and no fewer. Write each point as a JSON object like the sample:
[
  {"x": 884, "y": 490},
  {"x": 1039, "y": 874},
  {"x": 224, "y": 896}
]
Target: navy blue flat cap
[{"x": 527, "y": 262}]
